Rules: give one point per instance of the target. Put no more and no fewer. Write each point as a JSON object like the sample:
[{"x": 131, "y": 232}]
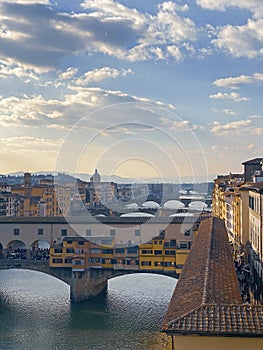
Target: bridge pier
[{"x": 88, "y": 284}]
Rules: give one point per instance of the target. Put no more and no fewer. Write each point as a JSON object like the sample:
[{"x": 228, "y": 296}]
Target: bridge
[
  {"x": 85, "y": 284},
  {"x": 158, "y": 246}
]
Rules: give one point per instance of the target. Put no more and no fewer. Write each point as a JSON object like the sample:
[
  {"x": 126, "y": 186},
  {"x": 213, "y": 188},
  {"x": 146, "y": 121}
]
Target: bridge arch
[{"x": 15, "y": 244}]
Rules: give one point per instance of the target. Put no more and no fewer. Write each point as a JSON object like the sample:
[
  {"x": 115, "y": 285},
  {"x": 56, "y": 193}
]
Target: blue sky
[{"x": 143, "y": 89}]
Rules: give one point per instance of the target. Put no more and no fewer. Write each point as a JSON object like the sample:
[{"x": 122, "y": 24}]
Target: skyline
[{"x": 140, "y": 90}]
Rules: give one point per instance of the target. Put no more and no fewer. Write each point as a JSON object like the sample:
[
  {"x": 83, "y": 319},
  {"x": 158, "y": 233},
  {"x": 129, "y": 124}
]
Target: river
[{"x": 37, "y": 314}]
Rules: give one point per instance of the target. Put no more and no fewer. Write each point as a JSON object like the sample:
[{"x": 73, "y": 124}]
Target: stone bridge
[{"x": 84, "y": 285}]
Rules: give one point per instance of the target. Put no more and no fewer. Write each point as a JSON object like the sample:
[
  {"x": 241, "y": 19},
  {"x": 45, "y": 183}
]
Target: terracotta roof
[{"x": 206, "y": 299}]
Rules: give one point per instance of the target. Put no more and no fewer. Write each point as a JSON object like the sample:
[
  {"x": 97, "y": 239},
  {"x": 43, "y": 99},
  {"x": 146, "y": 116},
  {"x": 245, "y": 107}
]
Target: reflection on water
[{"x": 36, "y": 313}]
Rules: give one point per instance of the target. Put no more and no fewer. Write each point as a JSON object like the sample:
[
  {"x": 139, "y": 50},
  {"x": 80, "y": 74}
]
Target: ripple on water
[{"x": 36, "y": 313}]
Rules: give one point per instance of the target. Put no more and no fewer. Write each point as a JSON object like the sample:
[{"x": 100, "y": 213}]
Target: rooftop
[
  {"x": 254, "y": 161},
  {"x": 206, "y": 299}
]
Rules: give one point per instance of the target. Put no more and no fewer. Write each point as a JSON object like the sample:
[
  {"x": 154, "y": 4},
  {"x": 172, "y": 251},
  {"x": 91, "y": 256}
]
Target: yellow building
[{"x": 158, "y": 254}]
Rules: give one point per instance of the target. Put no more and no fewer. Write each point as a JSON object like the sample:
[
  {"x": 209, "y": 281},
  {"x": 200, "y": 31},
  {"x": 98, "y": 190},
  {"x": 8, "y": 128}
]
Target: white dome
[
  {"x": 150, "y": 205},
  {"x": 181, "y": 215},
  {"x": 137, "y": 214},
  {"x": 197, "y": 205},
  {"x": 173, "y": 204},
  {"x": 100, "y": 215},
  {"x": 132, "y": 206}
]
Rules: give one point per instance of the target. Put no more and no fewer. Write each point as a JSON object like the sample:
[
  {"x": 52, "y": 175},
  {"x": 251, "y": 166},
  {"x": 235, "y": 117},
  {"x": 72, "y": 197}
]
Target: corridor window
[
  {"x": 40, "y": 231},
  {"x": 112, "y": 233},
  {"x": 16, "y": 231},
  {"x": 63, "y": 232}
]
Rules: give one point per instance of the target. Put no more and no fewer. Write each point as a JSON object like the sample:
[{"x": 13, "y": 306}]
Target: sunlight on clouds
[
  {"x": 101, "y": 74},
  {"x": 234, "y": 96},
  {"x": 241, "y": 41},
  {"x": 240, "y": 127},
  {"x": 254, "y": 6},
  {"x": 234, "y": 82}
]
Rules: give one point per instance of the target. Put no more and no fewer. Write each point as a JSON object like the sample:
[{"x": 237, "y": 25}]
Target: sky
[{"x": 141, "y": 89}]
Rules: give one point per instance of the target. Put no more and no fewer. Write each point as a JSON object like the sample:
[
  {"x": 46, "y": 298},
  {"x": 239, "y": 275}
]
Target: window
[
  {"x": 107, "y": 251},
  {"x": 146, "y": 263},
  {"x": 57, "y": 261},
  {"x": 16, "y": 231},
  {"x": 95, "y": 251},
  {"x": 187, "y": 233},
  {"x": 81, "y": 243},
  {"x": 68, "y": 261},
  {"x": 40, "y": 231},
  {"x": 158, "y": 263},
  {"x": 147, "y": 251},
  {"x": 64, "y": 232},
  {"x": 78, "y": 262},
  {"x": 119, "y": 250},
  {"x": 162, "y": 232},
  {"x": 88, "y": 232},
  {"x": 69, "y": 250},
  {"x": 137, "y": 233},
  {"x": 169, "y": 252},
  {"x": 112, "y": 233},
  {"x": 58, "y": 250},
  {"x": 158, "y": 252},
  {"x": 183, "y": 245}
]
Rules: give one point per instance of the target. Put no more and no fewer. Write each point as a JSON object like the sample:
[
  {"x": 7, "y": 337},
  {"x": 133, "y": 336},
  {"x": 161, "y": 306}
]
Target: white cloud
[
  {"x": 175, "y": 52},
  {"x": 16, "y": 71},
  {"x": 101, "y": 74},
  {"x": 234, "y": 96},
  {"x": 68, "y": 74},
  {"x": 254, "y": 6},
  {"x": 240, "y": 127},
  {"x": 235, "y": 82},
  {"x": 241, "y": 41},
  {"x": 180, "y": 125},
  {"x": 38, "y": 37}
]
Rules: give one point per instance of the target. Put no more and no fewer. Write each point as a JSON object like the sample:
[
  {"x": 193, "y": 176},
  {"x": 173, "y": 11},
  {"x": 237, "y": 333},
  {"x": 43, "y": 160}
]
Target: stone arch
[
  {"x": 16, "y": 244},
  {"x": 16, "y": 249},
  {"x": 39, "y": 250}
]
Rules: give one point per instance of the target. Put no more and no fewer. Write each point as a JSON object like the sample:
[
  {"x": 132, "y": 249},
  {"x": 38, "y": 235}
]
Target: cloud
[
  {"x": 254, "y": 6},
  {"x": 17, "y": 71},
  {"x": 35, "y": 36},
  {"x": 180, "y": 125},
  {"x": 240, "y": 127},
  {"x": 101, "y": 74},
  {"x": 241, "y": 41},
  {"x": 235, "y": 82},
  {"x": 68, "y": 74},
  {"x": 234, "y": 96}
]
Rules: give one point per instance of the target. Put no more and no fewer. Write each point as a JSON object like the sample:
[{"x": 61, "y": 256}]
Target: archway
[
  {"x": 16, "y": 249},
  {"x": 39, "y": 250}
]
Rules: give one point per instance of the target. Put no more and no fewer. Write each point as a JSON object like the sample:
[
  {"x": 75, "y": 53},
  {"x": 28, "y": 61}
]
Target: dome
[
  {"x": 180, "y": 215},
  {"x": 100, "y": 216},
  {"x": 137, "y": 214},
  {"x": 197, "y": 205},
  {"x": 150, "y": 205},
  {"x": 132, "y": 206},
  {"x": 173, "y": 204}
]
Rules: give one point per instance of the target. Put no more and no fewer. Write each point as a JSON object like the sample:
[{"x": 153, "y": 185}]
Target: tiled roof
[
  {"x": 215, "y": 319},
  {"x": 206, "y": 299}
]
